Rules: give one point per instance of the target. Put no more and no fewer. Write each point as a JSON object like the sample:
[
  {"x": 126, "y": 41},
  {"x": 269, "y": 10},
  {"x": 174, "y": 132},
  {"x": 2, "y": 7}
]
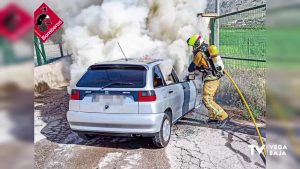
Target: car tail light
[
  {"x": 75, "y": 95},
  {"x": 146, "y": 96}
]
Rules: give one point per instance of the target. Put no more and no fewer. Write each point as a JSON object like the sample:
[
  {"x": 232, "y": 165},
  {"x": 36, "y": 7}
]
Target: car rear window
[{"x": 124, "y": 76}]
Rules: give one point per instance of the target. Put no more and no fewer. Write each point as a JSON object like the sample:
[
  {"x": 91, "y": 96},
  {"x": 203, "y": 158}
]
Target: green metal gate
[{"x": 241, "y": 37}]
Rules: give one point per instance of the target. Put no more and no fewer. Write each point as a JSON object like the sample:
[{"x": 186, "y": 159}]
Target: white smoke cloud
[{"x": 154, "y": 28}]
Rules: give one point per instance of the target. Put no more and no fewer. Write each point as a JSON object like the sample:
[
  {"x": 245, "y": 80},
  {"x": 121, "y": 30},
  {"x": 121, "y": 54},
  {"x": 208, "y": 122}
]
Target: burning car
[{"x": 130, "y": 98}]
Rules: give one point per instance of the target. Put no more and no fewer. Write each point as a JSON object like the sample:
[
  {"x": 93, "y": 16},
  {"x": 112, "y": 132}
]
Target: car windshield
[{"x": 114, "y": 76}]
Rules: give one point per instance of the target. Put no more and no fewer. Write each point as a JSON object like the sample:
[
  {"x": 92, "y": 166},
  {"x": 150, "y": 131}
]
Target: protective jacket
[{"x": 201, "y": 63}]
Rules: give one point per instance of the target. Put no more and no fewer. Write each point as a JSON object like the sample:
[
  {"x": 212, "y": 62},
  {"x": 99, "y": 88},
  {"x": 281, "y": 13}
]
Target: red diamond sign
[
  {"x": 14, "y": 22},
  {"x": 46, "y": 22}
]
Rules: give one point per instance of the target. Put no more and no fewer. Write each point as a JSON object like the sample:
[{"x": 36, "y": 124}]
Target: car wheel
[{"x": 162, "y": 138}]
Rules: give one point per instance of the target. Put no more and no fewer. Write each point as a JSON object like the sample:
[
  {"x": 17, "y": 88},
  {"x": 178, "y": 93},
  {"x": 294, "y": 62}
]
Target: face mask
[{"x": 203, "y": 47}]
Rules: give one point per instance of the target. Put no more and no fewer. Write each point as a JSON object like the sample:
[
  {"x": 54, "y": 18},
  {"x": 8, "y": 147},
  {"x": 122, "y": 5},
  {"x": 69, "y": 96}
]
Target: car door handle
[{"x": 170, "y": 91}]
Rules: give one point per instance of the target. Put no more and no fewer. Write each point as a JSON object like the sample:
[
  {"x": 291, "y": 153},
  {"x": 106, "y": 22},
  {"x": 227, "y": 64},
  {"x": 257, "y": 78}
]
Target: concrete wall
[{"x": 52, "y": 75}]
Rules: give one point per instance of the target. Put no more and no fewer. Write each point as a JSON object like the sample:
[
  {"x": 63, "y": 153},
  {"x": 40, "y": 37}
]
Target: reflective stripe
[
  {"x": 210, "y": 77},
  {"x": 211, "y": 105},
  {"x": 209, "y": 91}
]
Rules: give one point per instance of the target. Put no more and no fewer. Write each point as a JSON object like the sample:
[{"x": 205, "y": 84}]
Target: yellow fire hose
[{"x": 249, "y": 110}]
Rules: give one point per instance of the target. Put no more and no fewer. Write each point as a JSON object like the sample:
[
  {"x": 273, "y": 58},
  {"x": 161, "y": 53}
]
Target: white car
[{"x": 131, "y": 98}]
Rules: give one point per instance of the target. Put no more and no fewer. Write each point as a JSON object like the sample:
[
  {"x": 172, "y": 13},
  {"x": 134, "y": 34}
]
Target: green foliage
[{"x": 257, "y": 112}]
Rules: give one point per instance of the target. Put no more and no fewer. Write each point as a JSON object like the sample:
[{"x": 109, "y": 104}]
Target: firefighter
[{"x": 208, "y": 61}]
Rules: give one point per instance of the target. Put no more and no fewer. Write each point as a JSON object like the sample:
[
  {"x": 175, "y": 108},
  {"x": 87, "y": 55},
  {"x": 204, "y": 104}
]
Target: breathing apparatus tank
[{"x": 214, "y": 59}]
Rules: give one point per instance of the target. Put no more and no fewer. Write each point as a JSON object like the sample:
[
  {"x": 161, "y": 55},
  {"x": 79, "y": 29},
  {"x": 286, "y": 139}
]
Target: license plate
[{"x": 108, "y": 99}]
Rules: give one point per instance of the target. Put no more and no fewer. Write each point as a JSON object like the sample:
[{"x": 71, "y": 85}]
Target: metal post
[
  {"x": 61, "y": 50},
  {"x": 249, "y": 47},
  {"x": 212, "y": 29},
  {"x": 217, "y": 26},
  {"x": 37, "y": 50},
  {"x": 43, "y": 52}
]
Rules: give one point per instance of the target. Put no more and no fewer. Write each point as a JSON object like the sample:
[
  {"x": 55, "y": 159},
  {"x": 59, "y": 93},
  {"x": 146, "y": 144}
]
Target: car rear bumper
[{"x": 115, "y": 123}]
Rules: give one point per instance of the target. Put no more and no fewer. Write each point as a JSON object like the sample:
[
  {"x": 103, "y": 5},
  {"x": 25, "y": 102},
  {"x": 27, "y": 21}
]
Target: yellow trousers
[{"x": 209, "y": 90}]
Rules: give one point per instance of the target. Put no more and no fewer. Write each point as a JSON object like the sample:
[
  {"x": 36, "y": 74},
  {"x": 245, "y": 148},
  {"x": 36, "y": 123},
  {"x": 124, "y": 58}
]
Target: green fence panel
[{"x": 242, "y": 37}]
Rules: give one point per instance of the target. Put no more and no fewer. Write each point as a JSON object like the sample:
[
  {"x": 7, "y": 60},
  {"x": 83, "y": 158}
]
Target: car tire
[{"x": 162, "y": 138}]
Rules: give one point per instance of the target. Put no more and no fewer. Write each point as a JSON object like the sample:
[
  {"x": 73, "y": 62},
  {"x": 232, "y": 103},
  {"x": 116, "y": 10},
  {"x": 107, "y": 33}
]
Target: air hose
[{"x": 248, "y": 109}]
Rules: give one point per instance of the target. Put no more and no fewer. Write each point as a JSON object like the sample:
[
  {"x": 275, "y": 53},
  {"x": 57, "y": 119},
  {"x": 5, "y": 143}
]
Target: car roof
[{"x": 133, "y": 61}]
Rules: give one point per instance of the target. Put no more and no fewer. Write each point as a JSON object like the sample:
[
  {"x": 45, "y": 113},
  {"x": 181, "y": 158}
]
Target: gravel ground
[{"x": 193, "y": 144}]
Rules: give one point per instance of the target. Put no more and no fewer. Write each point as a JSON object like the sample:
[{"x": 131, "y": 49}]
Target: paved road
[{"x": 193, "y": 144}]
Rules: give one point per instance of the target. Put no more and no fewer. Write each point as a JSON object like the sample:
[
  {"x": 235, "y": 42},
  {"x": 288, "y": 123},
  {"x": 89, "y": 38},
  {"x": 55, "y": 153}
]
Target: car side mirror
[{"x": 191, "y": 76}]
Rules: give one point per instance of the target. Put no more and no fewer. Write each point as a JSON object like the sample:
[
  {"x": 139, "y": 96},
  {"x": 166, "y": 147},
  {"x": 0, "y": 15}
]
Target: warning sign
[
  {"x": 46, "y": 22},
  {"x": 14, "y": 22}
]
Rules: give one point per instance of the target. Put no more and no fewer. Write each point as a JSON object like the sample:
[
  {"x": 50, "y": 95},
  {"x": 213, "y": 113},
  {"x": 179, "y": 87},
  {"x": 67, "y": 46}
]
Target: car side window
[
  {"x": 166, "y": 70},
  {"x": 157, "y": 78},
  {"x": 170, "y": 79},
  {"x": 175, "y": 77}
]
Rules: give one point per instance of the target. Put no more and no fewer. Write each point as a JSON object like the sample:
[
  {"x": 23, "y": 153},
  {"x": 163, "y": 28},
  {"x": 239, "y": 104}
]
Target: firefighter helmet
[{"x": 195, "y": 41}]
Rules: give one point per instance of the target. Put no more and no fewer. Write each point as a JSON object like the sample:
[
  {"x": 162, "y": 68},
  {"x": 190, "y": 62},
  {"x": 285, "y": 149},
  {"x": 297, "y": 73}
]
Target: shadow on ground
[
  {"x": 230, "y": 126},
  {"x": 231, "y": 129},
  {"x": 52, "y": 105}
]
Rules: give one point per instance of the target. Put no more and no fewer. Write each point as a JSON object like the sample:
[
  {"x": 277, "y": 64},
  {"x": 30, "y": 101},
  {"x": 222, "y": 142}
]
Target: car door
[
  {"x": 189, "y": 94},
  {"x": 194, "y": 96},
  {"x": 160, "y": 90},
  {"x": 175, "y": 93},
  {"x": 185, "y": 92},
  {"x": 173, "y": 84}
]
